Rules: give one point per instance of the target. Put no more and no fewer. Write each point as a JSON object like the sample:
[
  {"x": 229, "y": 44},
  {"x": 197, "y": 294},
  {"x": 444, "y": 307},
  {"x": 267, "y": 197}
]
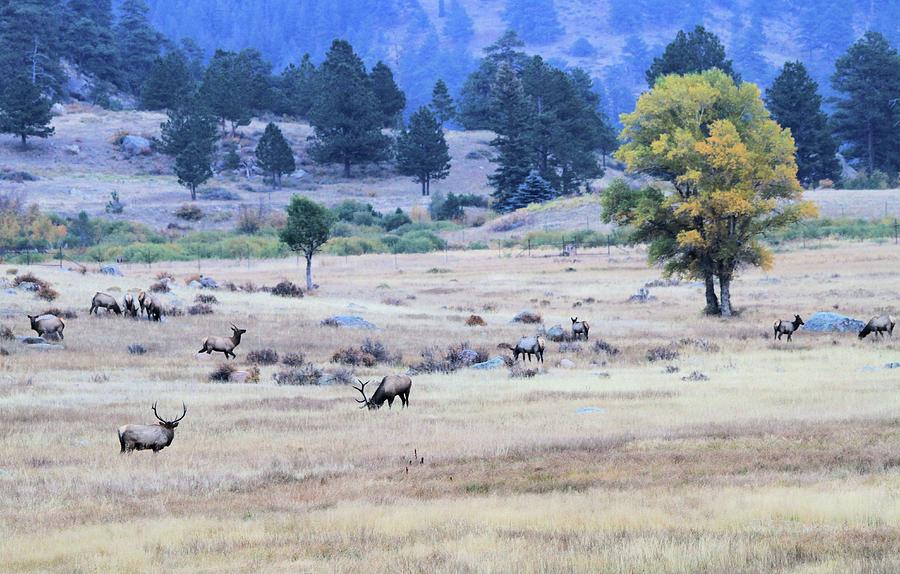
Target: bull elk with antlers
[
  {"x": 149, "y": 437},
  {"x": 391, "y": 386}
]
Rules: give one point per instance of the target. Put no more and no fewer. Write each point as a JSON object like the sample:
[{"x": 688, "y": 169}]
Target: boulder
[
  {"x": 349, "y": 321},
  {"x": 492, "y": 363},
  {"x": 828, "y": 322},
  {"x": 195, "y": 284},
  {"x": 566, "y": 364},
  {"x": 73, "y": 149},
  {"x": 136, "y": 145},
  {"x": 31, "y": 340},
  {"x": 556, "y": 333},
  {"x": 208, "y": 283},
  {"x": 893, "y": 365},
  {"x": 111, "y": 270},
  {"x": 57, "y": 109},
  {"x": 28, "y": 286},
  {"x": 468, "y": 356},
  {"x": 47, "y": 347},
  {"x": 238, "y": 377}
]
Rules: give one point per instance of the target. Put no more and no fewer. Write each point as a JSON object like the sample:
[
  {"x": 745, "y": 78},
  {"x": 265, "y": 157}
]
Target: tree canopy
[
  {"x": 274, "y": 154},
  {"x": 696, "y": 51},
  {"x": 307, "y": 229},
  {"x": 422, "y": 151}
]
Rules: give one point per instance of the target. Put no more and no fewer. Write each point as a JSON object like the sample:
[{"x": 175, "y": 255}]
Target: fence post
[
  {"x": 529, "y": 247},
  {"x": 896, "y": 232}
]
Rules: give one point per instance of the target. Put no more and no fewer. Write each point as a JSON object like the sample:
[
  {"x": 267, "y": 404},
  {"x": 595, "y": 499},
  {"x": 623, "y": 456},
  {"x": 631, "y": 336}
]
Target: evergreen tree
[
  {"x": 297, "y": 88},
  {"x": 422, "y": 151},
  {"x": 31, "y": 41},
  {"x": 307, "y": 229},
  {"x": 274, "y": 154},
  {"x": 510, "y": 108},
  {"x": 194, "y": 56},
  {"x": 190, "y": 136},
  {"x": 458, "y": 25},
  {"x": 193, "y": 166},
  {"x": 535, "y": 189},
  {"x": 867, "y": 115},
  {"x": 794, "y": 103},
  {"x": 235, "y": 85},
  {"x": 476, "y": 98},
  {"x": 90, "y": 42},
  {"x": 535, "y": 21},
  {"x": 24, "y": 112},
  {"x": 345, "y": 115},
  {"x": 695, "y": 51},
  {"x": 138, "y": 44},
  {"x": 168, "y": 83},
  {"x": 441, "y": 103},
  {"x": 390, "y": 99}
]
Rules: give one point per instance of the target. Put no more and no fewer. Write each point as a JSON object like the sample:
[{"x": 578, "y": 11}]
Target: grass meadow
[{"x": 779, "y": 458}]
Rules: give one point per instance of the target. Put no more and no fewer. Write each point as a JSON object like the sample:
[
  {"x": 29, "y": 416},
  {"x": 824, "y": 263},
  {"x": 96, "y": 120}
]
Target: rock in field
[
  {"x": 111, "y": 270},
  {"x": 348, "y": 321},
  {"x": 825, "y": 322},
  {"x": 493, "y": 363},
  {"x": 136, "y": 145},
  {"x": 566, "y": 364},
  {"x": 556, "y": 333},
  {"x": 28, "y": 286}
]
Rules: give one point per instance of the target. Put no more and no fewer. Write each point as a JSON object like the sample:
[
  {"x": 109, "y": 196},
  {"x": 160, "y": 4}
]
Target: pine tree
[
  {"x": 477, "y": 93},
  {"x": 235, "y": 85},
  {"x": 138, "y": 43},
  {"x": 31, "y": 42},
  {"x": 794, "y": 102},
  {"x": 867, "y": 115},
  {"x": 24, "y": 112},
  {"x": 195, "y": 57},
  {"x": 90, "y": 42},
  {"x": 345, "y": 115},
  {"x": 193, "y": 166},
  {"x": 274, "y": 154},
  {"x": 510, "y": 108},
  {"x": 297, "y": 88},
  {"x": 695, "y": 51},
  {"x": 535, "y": 189},
  {"x": 441, "y": 103},
  {"x": 190, "y": 136},
  {"x": 422, "y": 151},
  {"x": 168, "y": 83},
  {"x": 390, "y": 99},
  {"x": 458, "y": 26},
  {"x": 535, "y": 21}
]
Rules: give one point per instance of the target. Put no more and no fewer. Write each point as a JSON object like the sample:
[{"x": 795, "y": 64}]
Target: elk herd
[{"x": 158, "y": 436}]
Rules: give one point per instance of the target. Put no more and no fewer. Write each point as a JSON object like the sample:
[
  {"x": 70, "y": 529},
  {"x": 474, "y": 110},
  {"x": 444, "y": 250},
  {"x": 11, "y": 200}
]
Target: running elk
[
  {"x": 579, "y": 328},
  {"x": 878, "y": 325},
  {"x": 105, "y": 301},
  {"x": 391, "y": 386},
  {"x": 787, "y": 327},
  {"x": 527, "y": 346},
  {"x": 149, "y": 437},
  {"x": 224, "y": 345},
  {"x": 47, "y": 325},
  {"x": 129, "y": 305}
]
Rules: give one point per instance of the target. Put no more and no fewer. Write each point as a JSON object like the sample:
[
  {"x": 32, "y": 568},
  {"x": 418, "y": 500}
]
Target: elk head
[
  {"x": 574, "y": 320},
  {"x": 169, "y": 424},
  {"x": 366, "y": 403},
  {"x": 798, "y": 321},
  {"x": 237, "y": 332}
]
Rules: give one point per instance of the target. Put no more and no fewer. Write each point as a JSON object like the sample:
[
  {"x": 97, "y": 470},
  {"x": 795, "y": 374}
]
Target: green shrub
[
  {"x": 878, "y": 180},
  {"x": 354, "y": 246},
  {"x": 419, "y": 242}
]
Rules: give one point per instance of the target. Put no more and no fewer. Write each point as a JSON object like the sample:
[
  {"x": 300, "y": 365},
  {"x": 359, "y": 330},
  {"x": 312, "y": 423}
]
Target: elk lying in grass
[
  {"x": 104, "y": 301},
  {"x": 149, "y": 437},
  {"x": 391, "y": 386},
  {"x": 527, "y": 346},
  {"x": 224, "y": 345},
  {"x": 152, "y": 306},
  {"x": 47, "y": 326},
  {"x": 129, "y": 304},
  {"x": 579, "y": 328},
  {"x": 787, "y": 327},
  {"x": 878, "y": 325}
]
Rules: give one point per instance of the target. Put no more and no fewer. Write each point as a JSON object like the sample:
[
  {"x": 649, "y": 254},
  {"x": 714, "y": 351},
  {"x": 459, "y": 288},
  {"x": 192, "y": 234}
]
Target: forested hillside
[{"x": 614, "y": 40}]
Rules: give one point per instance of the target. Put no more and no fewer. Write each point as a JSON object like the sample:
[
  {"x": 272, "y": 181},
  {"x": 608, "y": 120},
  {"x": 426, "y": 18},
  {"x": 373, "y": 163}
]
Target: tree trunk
[
  {"x": 871, "y": 148},
  {"x": 427, "y": 185},
  {"x": 347, "y": 168},
  {"x": 193, "y": 193},
  {"x": 309, "y": 283},
  {"x": 24, "y": 143},
  {"x": 424, "y": 189},
  {"x": 712, "y": 302},
  {"x": 725, "y": 291}
]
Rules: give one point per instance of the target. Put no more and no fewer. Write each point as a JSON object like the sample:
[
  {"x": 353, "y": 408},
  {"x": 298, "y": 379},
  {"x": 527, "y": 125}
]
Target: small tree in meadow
[{"x": 308, "y": 228}]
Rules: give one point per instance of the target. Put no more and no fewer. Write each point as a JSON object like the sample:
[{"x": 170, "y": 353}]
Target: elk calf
[
  {"x": 787, "y": 327},
  {"x": 224, "y": 345},
  {"x": 527, "y": 346},
  {"x": 129, "y": 305},
  {"x": 149, "y": 437},
  {"x": 47, "y": 325},
  {"x": 105, "y": 301},
  {"x": 579, "y": 328},
  {"x": 878, "y": 325},
  {"x": 391, "y": 386},
  {"x": 152, "y": 306}
]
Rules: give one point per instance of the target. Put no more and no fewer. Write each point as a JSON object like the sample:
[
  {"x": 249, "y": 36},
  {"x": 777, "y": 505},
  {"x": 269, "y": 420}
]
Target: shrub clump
[
  {"x": 667, "y": 353},
  {"x": 602, "y": 347},
  {"x": 206, "y": 299},
  {"x": 222, "y": 373},
  {"x": 475, "y": 321},
  {"x": 455, "y": 357},
  {"x": 6, "y": 334},
  {"x": 200, "y": 309},
  {"x": 695, "y": 376},
  {"x": 61, "y": 313},
  {"x": 160, "y": 287},
  {"x": 47, "y": 293},
  {"x": 354, "y": 357},
  {"x": 137, "y": 349},
  {"x": 308, "y": 374},
  {"x": 263, "y": 356},
  {"x": 528, "y": 317},
  {"x": 189, "y": 213},
  {"x": 293, "y": 360},
  {"x": 517, "y": 371},
  {"x": 287, "y": 289}
]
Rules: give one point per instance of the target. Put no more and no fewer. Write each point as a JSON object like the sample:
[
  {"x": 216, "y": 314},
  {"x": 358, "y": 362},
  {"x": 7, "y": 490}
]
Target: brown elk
[
  {"x": 224, "y": 345},
  {"x": 129, "y": 305},
  {"x": 149, "y": 437},
  {"x": 878, "y": 325},
  {"x": 104, "y": 301},
  {"x": 527, "y": 346},
  {"x": 47, "y": 325},
  {"x": 787, "y": 327},
  {"x": 580, "y": 328},
  {"x": 152, "y": 306},
  {"x": 391, "y": 386}
]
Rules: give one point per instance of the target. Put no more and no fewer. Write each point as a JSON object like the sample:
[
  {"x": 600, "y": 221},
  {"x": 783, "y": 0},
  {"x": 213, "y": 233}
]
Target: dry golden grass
[{"x": 785, "y": 460}]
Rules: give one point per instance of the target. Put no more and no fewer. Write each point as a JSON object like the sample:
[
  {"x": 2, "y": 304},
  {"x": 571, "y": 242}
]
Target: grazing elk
[
  {"x": 579, "y": 328},
  {"x": 47, "y": 325},
  {"x": 152, "y": 306},
  {"x": 224, "y": 345},
  {"x": 878, "y": 325},
  {"x": 527, "y": 346},
  {"x": 105, "y": 301},
  {"x": 787, "y": 327},
  {"x": 149, "y": 437},
  {"x": 391, "y": 386},
  {"x": 129, "y": 305}
]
